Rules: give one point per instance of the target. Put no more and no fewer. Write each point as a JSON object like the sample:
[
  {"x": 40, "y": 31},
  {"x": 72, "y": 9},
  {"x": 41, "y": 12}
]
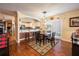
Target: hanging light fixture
[
  {"x": 43, "y": 21},
  {"x": 44, "y": 12}
]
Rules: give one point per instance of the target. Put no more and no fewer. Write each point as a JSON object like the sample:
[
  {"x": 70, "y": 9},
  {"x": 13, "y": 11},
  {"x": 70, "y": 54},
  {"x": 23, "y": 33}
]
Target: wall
[{"x": 66, "y": 30}]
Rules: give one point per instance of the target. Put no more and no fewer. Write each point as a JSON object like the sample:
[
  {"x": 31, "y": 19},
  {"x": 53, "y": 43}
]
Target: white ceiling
[{"x": 36, "y": 9}]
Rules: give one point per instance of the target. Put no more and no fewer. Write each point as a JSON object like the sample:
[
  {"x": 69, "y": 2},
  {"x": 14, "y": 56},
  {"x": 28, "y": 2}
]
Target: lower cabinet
[
  {"x": 4, "y": 51},
  {"x": 4, "y": 46},
  {"x": 75, "y": 50}
]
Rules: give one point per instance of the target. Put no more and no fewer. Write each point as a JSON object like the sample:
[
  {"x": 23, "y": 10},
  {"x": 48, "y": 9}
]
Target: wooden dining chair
[
  {"x": 51, "y": 39},
  {"x": 38, "y": 38}
]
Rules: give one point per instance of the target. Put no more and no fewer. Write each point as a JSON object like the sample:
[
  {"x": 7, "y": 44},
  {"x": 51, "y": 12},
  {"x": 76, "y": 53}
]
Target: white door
[{"x": 57, "y": 28}]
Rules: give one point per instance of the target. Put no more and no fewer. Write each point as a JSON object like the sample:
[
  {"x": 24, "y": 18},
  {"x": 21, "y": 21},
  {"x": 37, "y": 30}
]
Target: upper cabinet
[{"x": 29, "y": 23}]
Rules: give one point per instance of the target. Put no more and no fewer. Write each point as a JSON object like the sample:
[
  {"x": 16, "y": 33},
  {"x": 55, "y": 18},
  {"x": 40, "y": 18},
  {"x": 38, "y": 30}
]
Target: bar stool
[{"x": 31, "y": 36}]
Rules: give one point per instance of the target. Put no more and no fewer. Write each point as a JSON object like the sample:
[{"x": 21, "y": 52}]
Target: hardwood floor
[{"x": 23, "y": 49}]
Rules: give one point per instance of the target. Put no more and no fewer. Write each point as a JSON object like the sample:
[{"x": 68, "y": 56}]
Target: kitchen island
[{"x": 28, "y": 33}]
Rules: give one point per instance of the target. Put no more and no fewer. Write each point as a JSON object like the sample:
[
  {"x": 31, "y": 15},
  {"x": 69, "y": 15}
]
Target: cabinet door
[
  {"x": 4, "y": 46},
  {"x": 75, "y": 50}
]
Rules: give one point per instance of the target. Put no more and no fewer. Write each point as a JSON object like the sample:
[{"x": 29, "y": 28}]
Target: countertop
[{"x": 31, "y": 30}]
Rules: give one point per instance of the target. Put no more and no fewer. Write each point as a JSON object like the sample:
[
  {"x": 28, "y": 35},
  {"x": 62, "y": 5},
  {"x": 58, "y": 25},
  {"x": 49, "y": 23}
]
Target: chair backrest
[
  {"x": 37, "y": 34},
  {"x": 53, "y": 34}
]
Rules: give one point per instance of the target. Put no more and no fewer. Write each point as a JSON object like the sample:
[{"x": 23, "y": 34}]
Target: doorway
[{"x": 57, "y": 28}]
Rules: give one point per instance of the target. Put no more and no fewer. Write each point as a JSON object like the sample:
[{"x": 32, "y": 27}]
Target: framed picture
[{"x": 74, "y": 22}]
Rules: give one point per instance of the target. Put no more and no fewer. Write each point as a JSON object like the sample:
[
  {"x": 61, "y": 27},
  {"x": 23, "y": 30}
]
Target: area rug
[{"x": 43, "y": 49}]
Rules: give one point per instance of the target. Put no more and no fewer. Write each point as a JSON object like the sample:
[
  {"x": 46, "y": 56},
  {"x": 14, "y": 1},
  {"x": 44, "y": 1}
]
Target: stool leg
[
  {"x": 51, "y": 43},
  {"x": 43, "y": 42},
  {"x": 36, "y": 41}
]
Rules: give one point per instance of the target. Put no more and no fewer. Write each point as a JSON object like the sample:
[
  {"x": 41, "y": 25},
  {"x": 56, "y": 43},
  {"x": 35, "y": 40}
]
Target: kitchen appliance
[{"x": 4, "y": 49}]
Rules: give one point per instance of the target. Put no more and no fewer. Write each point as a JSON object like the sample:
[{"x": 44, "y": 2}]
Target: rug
[{"x": 43, "y": 49}]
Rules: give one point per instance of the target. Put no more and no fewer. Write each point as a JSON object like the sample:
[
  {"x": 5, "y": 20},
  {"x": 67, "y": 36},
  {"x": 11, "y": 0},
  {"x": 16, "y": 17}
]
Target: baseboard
[{"x": 66, "y": 40}]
